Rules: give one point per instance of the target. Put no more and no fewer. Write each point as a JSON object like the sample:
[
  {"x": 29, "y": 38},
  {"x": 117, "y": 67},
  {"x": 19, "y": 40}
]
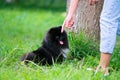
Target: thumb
[{"x": 91, "y": 2}]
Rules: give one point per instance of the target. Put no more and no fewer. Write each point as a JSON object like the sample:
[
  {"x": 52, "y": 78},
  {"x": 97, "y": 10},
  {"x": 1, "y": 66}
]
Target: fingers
[
  {"x": 92, "y": 2},
  {"x": 62, "y": 29},
  {"x": 68, "y": 23},
  {"x": 65, "y": 24}
]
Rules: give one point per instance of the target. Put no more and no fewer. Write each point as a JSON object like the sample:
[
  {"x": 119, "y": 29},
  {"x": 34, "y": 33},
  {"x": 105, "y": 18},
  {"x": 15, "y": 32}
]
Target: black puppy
[{"x": 53, "y": 49}]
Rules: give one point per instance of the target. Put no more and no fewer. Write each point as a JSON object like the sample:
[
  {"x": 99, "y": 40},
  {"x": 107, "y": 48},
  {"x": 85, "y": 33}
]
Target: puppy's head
[{"x": 54, "y": 36}]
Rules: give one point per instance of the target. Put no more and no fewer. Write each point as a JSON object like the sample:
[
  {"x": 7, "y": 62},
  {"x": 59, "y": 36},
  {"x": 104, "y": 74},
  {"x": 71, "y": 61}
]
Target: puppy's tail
[{"x": 28, "y": 57}]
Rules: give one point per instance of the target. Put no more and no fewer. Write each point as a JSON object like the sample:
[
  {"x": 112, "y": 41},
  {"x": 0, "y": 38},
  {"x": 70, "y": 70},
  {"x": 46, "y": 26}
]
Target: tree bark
[{"x": 87, "y": 18}]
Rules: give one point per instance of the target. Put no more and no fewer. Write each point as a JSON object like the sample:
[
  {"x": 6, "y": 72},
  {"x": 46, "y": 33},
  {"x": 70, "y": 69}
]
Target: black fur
[{"x": 51, "y": 49}]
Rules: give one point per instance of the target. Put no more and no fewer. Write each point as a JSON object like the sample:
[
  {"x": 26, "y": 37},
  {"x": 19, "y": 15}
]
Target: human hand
[
  {"x": 92, "y": 2},
  {"x": 68, "y": 22}
]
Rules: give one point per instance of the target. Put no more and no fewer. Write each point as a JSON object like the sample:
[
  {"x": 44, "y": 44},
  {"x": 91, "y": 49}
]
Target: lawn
[{"x": 22, "y": 30}]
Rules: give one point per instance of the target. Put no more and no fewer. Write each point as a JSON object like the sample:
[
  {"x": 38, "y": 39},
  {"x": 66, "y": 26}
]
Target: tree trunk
[{"x": 87, "y": 18}]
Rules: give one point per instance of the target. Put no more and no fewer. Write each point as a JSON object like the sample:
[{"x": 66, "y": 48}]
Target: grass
[{"x": 22, "y": 30}]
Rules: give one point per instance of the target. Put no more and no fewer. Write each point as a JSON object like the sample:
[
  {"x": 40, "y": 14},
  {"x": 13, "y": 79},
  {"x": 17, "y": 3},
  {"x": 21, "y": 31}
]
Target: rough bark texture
[{"x": 87, "y": 18}]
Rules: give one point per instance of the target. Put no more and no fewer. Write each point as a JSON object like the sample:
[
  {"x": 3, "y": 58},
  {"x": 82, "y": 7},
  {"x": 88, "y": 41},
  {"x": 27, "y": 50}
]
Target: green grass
[{"x": 22, "y": 30}]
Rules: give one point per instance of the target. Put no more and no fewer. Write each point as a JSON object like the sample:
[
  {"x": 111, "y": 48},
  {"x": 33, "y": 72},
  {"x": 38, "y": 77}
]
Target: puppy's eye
[
  {"x": 62, "y": 37},
  {"x": 57, "y": 37}
]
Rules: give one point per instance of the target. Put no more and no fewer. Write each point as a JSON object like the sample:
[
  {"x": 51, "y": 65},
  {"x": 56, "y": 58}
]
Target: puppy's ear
[
  {"x": 54, "y": 30},
  {"x": 60, "y": 27},
  {"x": 51, "y": 31}
]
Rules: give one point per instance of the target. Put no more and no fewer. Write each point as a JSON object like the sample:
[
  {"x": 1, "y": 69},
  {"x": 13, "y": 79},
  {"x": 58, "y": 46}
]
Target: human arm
[{"x": 68, "y": 22}]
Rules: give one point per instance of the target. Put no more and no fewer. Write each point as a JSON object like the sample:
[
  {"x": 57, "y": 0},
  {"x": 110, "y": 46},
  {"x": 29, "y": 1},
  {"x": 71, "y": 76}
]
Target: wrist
[{"x": 70, "y": 15}]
